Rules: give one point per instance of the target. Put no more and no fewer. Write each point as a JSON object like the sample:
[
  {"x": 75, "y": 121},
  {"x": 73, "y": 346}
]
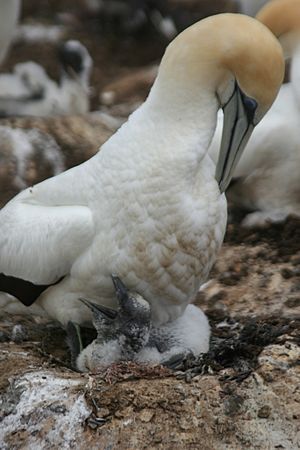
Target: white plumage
[
  {"x": 146, "y": 207},
  {"x": 188, "y": 334},
  {"x": 119, "y": 212},
  {"x": 269, "y": 170}
]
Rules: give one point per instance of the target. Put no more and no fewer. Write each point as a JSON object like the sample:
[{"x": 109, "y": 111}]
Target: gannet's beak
[
  {"x": 120, "y": 288},
  {"x": 238, "y": 125},
  {"x": 102, "y": 310}
]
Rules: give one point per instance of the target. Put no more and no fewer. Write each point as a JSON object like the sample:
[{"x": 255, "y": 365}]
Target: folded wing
[{"x": 40, "y": 243}]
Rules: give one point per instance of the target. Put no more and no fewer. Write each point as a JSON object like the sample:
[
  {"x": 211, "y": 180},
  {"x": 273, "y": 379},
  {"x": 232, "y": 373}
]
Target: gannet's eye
[
  {"x": 249, "y": 103},
  {"x": 250, "y": 106}
]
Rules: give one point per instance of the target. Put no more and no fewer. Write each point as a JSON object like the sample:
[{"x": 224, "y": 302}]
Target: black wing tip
[{"x": 25, "y": 291}]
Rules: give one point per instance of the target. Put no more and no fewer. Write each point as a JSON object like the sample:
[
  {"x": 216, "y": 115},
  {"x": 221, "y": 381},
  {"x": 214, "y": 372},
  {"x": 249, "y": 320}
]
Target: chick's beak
[
  {"x": 100, "y": 310},
  {"x": 120, "y": 288}
]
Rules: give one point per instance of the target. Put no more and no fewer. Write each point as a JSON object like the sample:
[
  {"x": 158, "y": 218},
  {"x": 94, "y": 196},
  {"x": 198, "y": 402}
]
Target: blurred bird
[
  {"x": 25, "y": 83},
  {"x": 150, "y": 205},
  {"x": 251, "y": 7},
  {"x": 9, "y": 14},
  {"x": 127, "y": 333},
  {"x": 266, "y": 180},
  {"x": 26, "y": 156},
  {"x": 131, "y": 16},
  {"x": 29, "y": 90}
]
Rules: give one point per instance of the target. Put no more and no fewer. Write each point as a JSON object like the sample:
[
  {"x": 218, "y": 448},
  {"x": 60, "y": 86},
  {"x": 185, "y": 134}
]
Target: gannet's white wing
[{"x": 39, "y": 243}]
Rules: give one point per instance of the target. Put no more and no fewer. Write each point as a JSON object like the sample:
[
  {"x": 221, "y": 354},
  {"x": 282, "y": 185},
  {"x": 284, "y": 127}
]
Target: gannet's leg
[
  {"x": 174, "y": 360},
  {"x": 74, "y": 341}
]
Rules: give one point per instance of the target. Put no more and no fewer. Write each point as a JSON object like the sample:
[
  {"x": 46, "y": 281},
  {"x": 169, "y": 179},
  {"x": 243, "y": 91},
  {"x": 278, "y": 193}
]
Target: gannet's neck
[
  {"x": 188, "y": 113},
  {"x": 177, "y": 122},
  {"x": 167, "y": 137},
  {"x": 170, "y": 127}
]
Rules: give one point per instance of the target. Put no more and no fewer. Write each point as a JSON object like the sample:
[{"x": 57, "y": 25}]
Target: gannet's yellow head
[
  {"x": 282, "y": 17},
  {"x": 236, "y": 59}
]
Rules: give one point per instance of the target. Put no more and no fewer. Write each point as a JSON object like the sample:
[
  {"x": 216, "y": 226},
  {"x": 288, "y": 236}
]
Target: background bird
[
  {"x": 265, "y": 179},
  {"x": 251, "y": 7},
  {"x": 133, "y": 16},
  {"x": 30, "y": 91},
  {"x": 26, "y": 156}
]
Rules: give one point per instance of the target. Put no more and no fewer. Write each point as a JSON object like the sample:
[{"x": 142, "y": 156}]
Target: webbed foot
[
  {"x": 74, "y": 341},
  {"x": 176, "y": 360}
]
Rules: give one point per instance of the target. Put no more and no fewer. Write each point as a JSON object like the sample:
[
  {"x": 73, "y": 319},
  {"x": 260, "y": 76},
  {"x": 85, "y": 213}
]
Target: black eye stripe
[
  {"x": 249, "y": 103},
  {"x": 250, "y": 106}
]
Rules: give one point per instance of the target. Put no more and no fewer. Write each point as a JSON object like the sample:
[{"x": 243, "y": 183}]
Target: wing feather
[{"x": 40, "y": 243}]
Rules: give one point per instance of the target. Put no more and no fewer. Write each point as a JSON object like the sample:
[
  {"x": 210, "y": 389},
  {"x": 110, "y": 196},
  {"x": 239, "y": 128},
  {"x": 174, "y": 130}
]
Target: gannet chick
[
  {"x": 150, "y": 205},
  {"x": 266, "y": 178},
  {"x": 9, "y": 14},
  {"x": 121, "y": 334},
  {"x": 127, "y": 334},
  {"x": 77, "y": 66},
  {"x": 29, "y": 90}
]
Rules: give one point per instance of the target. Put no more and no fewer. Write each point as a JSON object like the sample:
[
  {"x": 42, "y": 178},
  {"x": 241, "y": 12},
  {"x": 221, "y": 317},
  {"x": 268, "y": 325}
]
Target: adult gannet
[
  {"x": 267, "y": 176},
  {"x": 150, "y": 206},
  {"x": 9, "y": 14},
  {"x": 127, "y": 333},
  {"x": 29, "y": 90}
]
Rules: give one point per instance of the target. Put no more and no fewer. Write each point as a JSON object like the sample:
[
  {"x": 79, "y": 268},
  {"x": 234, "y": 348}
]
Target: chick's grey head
[
  {"x": 134, "y": 317},
  {"x": 130, "y": 323},
  {"x": 75, "y": 60},
  {"x": 134, "y": 322},
  {"x": 104, "y": 320}
]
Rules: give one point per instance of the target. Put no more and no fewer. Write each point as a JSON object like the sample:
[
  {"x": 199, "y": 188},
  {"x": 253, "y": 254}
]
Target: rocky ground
[{"x": 243, "y": 394}]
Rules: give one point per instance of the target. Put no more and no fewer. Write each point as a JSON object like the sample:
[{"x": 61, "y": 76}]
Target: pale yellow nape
[
  {"x": 282, "y": 17},
  {"x": 227, "y": 43}
]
